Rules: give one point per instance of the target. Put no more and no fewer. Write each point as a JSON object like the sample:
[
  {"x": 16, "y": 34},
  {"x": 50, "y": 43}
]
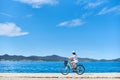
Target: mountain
[
  {"x": 86, "y": 59},
  {"x": 7, "y": 57}
]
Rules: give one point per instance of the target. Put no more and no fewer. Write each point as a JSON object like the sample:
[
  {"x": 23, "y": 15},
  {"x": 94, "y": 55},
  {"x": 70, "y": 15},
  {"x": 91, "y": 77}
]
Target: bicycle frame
[
  {"x": 79, "y": 68},
  {"x": 69, "y": 64}
]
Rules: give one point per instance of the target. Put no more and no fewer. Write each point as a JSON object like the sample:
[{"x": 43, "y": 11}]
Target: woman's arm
[{"x": 70, "y": 58}]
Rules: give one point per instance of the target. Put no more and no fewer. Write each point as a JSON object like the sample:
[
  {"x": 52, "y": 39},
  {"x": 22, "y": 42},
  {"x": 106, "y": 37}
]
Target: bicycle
[{"x": 79, "y": 68}]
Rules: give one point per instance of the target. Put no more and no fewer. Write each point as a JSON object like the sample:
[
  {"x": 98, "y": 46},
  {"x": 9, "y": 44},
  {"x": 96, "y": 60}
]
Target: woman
[{"x": 74, "y": 60}]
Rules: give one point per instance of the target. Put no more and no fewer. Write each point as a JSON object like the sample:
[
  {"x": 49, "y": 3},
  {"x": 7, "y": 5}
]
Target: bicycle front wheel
[
  {"x": 65, "y": 70},
  {"x": 80, "y": 69}
]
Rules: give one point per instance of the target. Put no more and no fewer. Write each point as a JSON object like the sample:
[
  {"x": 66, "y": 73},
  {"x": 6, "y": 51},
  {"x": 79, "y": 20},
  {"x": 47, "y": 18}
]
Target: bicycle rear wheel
[
  {"x": 65, "y": 70},
  {"x": 80, "y": 69}
]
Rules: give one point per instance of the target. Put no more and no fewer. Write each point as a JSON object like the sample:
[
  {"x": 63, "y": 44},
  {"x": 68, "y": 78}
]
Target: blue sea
[{"x": 54, "y": 67}]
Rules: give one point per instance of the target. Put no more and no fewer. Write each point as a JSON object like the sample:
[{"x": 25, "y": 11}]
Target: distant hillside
[
  {"x": 45, "y": 58},
  {"x": 30, "y": 58}
]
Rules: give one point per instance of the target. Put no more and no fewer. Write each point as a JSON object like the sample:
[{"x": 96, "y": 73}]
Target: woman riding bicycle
[
  {"x": 74, "y": 60},
  {"x": 78, "y": 68}
]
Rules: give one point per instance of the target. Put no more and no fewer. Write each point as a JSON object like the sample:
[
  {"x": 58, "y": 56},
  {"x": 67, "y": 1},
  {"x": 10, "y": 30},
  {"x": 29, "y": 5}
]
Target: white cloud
[
  {"x": 11, "y": 30},
  {"x": 109, "y": 10},
  {"x": 72, "y": 23},
  {"x": 86, "y": 14},
  {"x": 94, "y": 4},
  {"x": 87, "y": 4},
  {"x": 38, "y": 3},
  {"x": 5, "y": 14}
]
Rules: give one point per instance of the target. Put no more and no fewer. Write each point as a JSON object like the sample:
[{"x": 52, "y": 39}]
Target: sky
[{"x": 91, "y": 28}]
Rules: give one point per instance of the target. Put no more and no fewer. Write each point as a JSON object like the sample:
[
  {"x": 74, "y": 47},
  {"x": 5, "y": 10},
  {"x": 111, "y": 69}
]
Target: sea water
[{"x": 54, "y": 67}]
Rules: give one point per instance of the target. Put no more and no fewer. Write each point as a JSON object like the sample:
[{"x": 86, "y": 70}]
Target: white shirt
[{"x": 74, "y": 57}]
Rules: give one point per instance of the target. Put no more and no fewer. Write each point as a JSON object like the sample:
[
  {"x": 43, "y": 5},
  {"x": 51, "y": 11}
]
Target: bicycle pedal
[{"x": 74, "y": 70}]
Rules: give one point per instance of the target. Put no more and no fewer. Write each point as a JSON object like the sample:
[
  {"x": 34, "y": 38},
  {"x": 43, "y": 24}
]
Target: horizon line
[{"x": 55, "y": 55}]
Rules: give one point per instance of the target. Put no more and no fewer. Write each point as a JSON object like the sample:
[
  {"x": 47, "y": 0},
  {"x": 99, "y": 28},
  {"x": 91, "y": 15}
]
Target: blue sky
[{"x": 47, "y": 27}]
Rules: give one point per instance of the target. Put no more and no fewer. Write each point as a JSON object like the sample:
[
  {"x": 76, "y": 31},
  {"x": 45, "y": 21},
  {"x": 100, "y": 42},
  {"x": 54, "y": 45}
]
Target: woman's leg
[{"x": 73, "y": 65}]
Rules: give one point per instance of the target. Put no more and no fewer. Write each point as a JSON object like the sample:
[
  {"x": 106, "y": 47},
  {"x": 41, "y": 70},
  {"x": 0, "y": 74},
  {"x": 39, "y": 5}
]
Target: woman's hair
[{"x": 73, "y": 53}]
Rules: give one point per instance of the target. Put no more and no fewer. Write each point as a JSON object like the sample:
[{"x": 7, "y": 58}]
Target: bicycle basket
[{"x": 65, "y": 63}]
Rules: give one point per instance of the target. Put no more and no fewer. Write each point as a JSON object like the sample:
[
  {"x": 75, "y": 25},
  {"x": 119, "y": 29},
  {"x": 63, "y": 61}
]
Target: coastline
[{"x": 58, "y": 76}]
